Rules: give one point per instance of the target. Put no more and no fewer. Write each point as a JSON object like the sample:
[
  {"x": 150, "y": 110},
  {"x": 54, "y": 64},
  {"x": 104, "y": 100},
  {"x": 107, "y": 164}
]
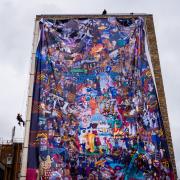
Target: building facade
[
  {"x": 10, "y": 160},
  {"x": 96, "y": 106}
]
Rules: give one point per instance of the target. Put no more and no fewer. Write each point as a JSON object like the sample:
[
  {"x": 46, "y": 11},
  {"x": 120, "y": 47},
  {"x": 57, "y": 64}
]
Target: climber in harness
[{"x": 20, "y": 120}]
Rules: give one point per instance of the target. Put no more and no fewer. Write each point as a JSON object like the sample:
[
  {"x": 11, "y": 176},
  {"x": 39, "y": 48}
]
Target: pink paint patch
[{"x": 31, "y": 174}]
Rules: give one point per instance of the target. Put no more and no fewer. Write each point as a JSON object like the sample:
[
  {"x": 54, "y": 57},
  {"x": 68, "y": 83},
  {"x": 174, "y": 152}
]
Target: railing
[
  {"x": 18, "y": 140},
  {"x": 15, "y": 140}
]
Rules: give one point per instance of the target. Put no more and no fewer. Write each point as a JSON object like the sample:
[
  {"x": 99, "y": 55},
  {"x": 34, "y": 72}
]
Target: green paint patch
[{"x": 78, "y": 70}]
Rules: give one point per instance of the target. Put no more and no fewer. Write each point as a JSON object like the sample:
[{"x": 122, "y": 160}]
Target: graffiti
[{"x": 95, "y": 109}]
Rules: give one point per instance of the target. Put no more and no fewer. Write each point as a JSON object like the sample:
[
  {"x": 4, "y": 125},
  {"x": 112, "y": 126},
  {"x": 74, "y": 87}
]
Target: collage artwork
[{"x": 95, "y": 112}]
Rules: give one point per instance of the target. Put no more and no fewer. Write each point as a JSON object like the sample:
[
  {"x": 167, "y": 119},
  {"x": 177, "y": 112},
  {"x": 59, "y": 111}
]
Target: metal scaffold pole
[{"x": 29, "y": 103}]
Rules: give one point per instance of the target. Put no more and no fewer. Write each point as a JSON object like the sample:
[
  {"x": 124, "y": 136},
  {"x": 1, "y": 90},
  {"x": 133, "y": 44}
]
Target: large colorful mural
[{"x": 95, "y": 112}]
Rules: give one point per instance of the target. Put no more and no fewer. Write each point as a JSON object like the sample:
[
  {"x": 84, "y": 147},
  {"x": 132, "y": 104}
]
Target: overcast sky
[{"x": 16, "y": 33}]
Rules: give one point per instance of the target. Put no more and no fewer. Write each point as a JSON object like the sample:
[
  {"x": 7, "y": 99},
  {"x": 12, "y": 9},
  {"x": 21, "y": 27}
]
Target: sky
[{"x": 16, "y": 35}]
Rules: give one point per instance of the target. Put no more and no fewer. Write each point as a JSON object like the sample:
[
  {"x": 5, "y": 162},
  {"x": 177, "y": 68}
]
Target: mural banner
[{"x": 95, "y": 111}]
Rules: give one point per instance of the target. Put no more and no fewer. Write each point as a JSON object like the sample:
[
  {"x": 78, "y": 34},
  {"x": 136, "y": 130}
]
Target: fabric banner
[{"x": 95, "y": 111}]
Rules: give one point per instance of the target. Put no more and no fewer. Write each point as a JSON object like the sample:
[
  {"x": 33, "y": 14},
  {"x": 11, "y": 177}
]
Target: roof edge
[{"x": 69, "y": 16}]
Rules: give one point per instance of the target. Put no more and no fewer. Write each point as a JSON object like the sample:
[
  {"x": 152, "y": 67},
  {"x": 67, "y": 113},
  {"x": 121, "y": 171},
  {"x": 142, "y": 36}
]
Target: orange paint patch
[
  {"x": 102, "y": 27},
  {"x": 97, "y": 48}
]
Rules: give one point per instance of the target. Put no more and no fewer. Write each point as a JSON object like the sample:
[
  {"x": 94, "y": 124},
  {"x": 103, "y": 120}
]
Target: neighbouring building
[{"x": 10, "y": 159}]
